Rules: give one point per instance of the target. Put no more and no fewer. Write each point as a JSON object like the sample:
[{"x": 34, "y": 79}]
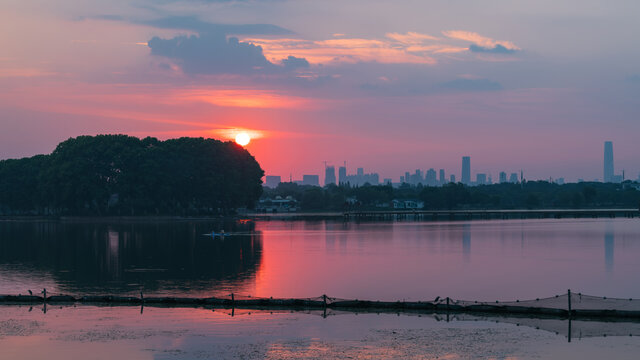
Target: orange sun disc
[{"x": 243, "y": 139}]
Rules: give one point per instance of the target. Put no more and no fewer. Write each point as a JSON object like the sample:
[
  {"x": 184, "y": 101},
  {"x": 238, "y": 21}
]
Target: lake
[{"x": 476, "y": 260}]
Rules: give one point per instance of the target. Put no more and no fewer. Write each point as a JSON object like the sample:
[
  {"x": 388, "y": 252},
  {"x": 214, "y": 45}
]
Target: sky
[{"x": 390, "y": 86}]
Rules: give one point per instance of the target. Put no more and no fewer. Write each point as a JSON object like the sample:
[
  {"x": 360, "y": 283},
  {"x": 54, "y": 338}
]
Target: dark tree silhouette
[
  {"x": 124, "y": 175},
  {"x": 531, "y": 194}
]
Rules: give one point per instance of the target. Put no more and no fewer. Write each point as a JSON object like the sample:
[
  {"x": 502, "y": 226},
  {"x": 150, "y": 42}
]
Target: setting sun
[{"x": 243, "y": 139}]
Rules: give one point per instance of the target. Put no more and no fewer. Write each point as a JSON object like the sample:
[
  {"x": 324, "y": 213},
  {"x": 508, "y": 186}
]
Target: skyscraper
[
  {"x": 608, "y": 161},
  {"x": 329, "y": 175},
  {"x": 503, "y": 177},
  {"x": 313, "y": 180},
  {"x": 481, "y": 179},
  {"x": 442, "y": 179},
  {"x": 430, "y": 178},
  {"x": 272, "y": 181},
  {"x": 342, "y": 174},
  {"x": 466, "y": 170}
]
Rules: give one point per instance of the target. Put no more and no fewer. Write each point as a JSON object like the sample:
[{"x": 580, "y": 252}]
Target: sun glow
[{"x": 243, "y": 139}]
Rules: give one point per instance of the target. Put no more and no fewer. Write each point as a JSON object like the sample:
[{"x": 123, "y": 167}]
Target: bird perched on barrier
[
  {"x": 437, "y": 298},
  {"x": 30, "y": 292}
]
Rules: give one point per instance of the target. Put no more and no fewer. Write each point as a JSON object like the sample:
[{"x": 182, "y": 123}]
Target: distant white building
[
  {"x": 407, "y": 204},
  {"x": 277, "y": 205},
  {"x": 351, "y": 200}
]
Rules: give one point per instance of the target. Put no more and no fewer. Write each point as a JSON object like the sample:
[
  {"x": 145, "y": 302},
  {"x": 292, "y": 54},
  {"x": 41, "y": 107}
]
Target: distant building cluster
[
  {"x": 431, "y": 177},
  {"x": 357, "y": 179}
]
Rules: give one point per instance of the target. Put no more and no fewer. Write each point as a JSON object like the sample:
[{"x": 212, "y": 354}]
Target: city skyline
[{"x": 467, "y": 175}]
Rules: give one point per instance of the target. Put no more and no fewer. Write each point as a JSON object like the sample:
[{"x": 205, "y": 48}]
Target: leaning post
[{"x": 569, "y": 301}]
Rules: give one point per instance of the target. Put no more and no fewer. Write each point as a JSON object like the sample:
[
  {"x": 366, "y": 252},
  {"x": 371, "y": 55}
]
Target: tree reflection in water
[{"x": 124, "y": 257}]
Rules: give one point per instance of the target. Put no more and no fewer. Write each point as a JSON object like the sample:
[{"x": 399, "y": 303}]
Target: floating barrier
[{"x": 569, "y": 305}]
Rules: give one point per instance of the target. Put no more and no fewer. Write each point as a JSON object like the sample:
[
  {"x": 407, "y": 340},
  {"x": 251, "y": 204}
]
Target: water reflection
[
  {"x": 168, "y": 333},
  {"x": 609, "y": 240},
  {"x": 127, "y": 257},
  {"x": 336, "y": 231},
  {"x": 514, "y": 259},
  {"x": 466, "y": 242}
]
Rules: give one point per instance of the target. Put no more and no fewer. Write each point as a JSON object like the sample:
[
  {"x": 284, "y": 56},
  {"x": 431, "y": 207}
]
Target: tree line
[
  {"x": 124, "y": 175},
  {"x": 528, "y": 195}
]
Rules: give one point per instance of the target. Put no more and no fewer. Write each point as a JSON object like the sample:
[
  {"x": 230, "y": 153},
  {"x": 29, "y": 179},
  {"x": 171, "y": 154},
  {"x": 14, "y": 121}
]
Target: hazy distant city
[{"x": 433, "y": 177}]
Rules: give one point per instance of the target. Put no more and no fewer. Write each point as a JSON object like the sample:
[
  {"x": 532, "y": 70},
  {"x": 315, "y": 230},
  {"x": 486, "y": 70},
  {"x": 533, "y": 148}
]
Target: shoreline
[{"x": 363, "y": 215}]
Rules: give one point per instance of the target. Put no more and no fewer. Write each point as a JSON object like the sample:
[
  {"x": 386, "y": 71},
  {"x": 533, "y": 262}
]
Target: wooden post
[
  {"x": 569, "y": 301},
  {"x": 233, "y": 301},
  {"x": 447, "y": 303},
  {"x": 44, "y": 291},
  {"x": 324, "y": 300}
]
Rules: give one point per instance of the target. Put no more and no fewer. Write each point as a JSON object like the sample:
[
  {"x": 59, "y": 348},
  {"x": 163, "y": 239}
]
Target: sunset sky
[{"x": 390, "y": 86}]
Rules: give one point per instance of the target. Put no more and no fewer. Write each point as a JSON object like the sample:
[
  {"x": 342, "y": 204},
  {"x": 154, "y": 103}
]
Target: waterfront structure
[
  {"x": 272, "y": 181},
  {"x": 329, "y": 175},
  {"x": 608, "y": 161},
  {"x": 466, "y": 170},
  {"x": 407, "y": 204},
  {"x": 277, "y": 205}
]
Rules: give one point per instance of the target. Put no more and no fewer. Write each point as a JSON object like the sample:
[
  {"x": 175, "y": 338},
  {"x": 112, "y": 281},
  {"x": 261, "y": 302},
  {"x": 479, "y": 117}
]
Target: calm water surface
[
  {"x": 87, "y": 332},
  {"x": 512, "y": 259}
]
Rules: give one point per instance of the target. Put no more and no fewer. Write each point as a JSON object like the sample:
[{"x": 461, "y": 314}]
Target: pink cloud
[{"x": 478, "y": 39}]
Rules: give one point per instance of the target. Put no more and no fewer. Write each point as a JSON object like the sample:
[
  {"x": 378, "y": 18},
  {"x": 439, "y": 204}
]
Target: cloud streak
[
  {"x": 394, "y": 48},
  {"x": 192, "y": 23},
  {"x": 479, "y": 40},
  {"x": 497, "y": 49}
]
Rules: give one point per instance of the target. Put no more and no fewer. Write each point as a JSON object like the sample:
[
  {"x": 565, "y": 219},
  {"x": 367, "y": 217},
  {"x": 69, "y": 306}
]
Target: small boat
[{"x": 221, "y": 234}]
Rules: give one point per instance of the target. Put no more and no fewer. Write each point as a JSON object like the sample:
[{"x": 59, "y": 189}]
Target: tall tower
[
  {"x": 342, "y": 174},
  {"x": 466, "y": 170},
  {"x": 608, "y": 162},
  {"x": 329, "y": 175}
]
